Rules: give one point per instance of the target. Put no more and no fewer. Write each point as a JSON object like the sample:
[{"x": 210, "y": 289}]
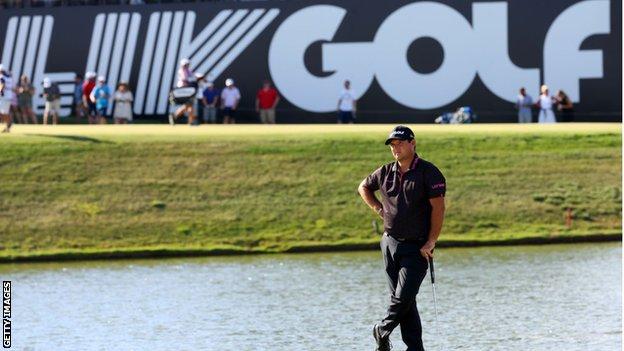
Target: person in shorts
[
  {"x": 101, "y": 96},
  {"x": 230, "y": 96},
  {"x": 25, "y": 92},
  {"x": 52, "y": 96},
  {"x": 186, "y": 78}
]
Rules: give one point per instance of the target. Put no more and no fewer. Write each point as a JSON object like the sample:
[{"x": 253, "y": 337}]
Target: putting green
[{"x": 282, "y": 129}]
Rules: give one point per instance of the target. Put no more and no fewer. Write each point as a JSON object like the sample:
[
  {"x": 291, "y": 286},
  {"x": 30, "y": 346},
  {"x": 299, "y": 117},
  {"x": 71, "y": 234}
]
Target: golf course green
[{"x": 79, "y": 192}]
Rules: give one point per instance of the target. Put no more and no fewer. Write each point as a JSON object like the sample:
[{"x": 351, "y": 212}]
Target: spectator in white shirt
[
  {"x": 230, "y": 96},
  {"x": 346, "y": 104}
]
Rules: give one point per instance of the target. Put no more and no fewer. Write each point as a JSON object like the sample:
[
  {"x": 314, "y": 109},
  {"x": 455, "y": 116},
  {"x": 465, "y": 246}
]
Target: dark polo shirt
[{"x": 405, "y": 197}]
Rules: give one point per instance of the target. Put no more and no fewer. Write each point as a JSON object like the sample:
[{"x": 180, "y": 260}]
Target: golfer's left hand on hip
[{"x": 427, "y": 249}]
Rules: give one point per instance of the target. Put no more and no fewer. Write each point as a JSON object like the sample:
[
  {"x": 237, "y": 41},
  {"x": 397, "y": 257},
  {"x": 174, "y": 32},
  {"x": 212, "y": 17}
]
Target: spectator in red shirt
[
  {"x": 266, "y": 100},
  {"x": 89, "y": 105}
]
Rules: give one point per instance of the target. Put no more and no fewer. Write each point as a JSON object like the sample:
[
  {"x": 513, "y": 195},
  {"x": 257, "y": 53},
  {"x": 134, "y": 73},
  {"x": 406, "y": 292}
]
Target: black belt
[{"x": 407, "y": 240}]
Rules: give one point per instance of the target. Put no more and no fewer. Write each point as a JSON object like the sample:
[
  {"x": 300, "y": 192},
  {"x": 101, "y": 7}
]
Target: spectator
[
  {"x": 199, "y": 103},
  {"x": 564, "y": 106},
  {"x": 523, "y": 104},
  {"x": 14, "y": 104},
  {"x": 87, "y": 89},
  {"x": 545, "y": 102},
  {"x": 266, "y": 100},
  {"x": 346, "y": 104},
  {"x": 79, "y": 109},
  {"x": 123, "y": 104},
  {"x": 100, "y": 96},
  {"x": 210, "y": 99},
  {"x": 6, "y": 96},
  {"x": 52, "y": 96},
  {"x": 25, "y": 92},
  {"x": 230, "y": 96}
]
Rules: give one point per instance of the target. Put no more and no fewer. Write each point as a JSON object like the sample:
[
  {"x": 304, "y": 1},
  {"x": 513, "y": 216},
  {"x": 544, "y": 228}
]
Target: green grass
[{"x": 210, "y": 191}]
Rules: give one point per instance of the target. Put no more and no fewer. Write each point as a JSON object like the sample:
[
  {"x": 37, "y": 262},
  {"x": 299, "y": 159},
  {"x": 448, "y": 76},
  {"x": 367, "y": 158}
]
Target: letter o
[{"x": 450, "y": 80}]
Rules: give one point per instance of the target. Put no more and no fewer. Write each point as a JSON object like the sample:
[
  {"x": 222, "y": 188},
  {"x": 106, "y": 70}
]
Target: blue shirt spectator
[
  {"x": 102, "y": 94},
  {"x": 210, "y": 94},
  {"x": 78, "y": 90}
]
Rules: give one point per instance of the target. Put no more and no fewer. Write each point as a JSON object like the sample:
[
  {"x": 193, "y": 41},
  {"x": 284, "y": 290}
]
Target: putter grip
[{"x": 432, "y": 270}]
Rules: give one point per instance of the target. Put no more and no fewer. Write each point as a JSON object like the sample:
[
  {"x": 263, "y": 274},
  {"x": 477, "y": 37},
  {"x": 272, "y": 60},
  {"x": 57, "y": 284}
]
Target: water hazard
[{"x": 559, "y": 297}]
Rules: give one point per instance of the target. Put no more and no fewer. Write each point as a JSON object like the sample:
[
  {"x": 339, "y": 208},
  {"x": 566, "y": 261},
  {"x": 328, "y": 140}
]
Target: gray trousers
[
  {"x": 405, "y": 269},
  {"x": 210, "y": 114},
  {"x": 525, "y": 115}
]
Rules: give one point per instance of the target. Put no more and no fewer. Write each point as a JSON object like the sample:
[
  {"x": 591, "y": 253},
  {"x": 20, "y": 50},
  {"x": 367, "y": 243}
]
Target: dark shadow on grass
[{"x": 73, "y": 138}]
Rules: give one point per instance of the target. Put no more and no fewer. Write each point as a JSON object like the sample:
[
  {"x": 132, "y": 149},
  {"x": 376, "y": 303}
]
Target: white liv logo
[
  {"x": 113, "y": 44},
  {"x": 25, "y": 52},
  {"x": 169, "y": 39},
  {"x": 469, "y": 49}
]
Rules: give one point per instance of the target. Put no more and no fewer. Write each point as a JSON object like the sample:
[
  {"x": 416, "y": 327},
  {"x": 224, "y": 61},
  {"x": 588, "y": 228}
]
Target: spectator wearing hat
[
  {"x": 87, "y": 89},
  {"x": 101, "y": 95},
  {"x": 266, "y": 100},
  {"x": 6, "y": 96},
  {"x": 186, "y": 78},
  {"x": 210, "y": 99},
  {"x": 412, "y": 208},
  {"x": 52, "y": 97},
  {"x": 123, "y": 104},
  {"x": 346, "y": 104},
  {"x": 230, "y": 96}
]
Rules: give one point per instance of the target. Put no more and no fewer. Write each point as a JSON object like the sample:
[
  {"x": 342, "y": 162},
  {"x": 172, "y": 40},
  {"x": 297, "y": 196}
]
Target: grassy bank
[{"x": 113, "y": 191}]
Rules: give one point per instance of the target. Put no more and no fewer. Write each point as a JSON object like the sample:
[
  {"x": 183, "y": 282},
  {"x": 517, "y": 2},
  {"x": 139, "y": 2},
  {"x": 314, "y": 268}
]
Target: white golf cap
[
  {"x": 101, "y": 79},
  {"x": 184, "y": 62},
  {"x": 46, "y": 82},
  {"x": 229, "y": 82},
  {"x": 90, "y": 75}
]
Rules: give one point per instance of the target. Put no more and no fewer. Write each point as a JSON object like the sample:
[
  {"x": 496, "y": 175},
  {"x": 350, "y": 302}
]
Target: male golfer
[{"x": 412, "y": 208}]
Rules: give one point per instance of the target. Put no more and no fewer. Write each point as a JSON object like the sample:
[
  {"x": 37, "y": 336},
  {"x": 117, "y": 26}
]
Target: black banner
[{"x": 407, "y": 61}]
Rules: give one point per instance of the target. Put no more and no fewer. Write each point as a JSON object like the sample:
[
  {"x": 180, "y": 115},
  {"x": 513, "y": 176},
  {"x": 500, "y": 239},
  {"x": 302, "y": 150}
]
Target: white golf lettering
[
  {"x": 564, "y": 63},
  {"x": 288, "y": 70},
  {"x": 495, "y": 68},
  {"x": 469, "y": 49},
  {"x": 415, "y": 21}
]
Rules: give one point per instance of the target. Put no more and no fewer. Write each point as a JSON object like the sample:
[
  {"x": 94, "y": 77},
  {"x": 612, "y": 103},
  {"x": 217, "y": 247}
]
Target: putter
[{"x": 435, "y": 302}]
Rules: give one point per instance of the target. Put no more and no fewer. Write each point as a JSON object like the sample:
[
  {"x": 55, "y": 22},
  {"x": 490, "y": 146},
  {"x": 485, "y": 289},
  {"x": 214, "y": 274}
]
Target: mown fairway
[{"x": 89, "y": 189}]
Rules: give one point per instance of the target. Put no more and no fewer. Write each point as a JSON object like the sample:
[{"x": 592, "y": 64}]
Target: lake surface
[{"x": 555, "y": 297}]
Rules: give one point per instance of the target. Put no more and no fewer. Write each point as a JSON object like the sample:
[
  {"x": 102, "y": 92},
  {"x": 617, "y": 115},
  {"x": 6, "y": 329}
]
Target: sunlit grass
[{"x": 272, "y": 188}]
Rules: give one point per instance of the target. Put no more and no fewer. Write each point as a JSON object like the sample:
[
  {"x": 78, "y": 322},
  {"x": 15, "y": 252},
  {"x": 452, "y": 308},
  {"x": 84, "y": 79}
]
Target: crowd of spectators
[
  {"x": 546, "y": 105},
  {"x": 205, "y": 101}
]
